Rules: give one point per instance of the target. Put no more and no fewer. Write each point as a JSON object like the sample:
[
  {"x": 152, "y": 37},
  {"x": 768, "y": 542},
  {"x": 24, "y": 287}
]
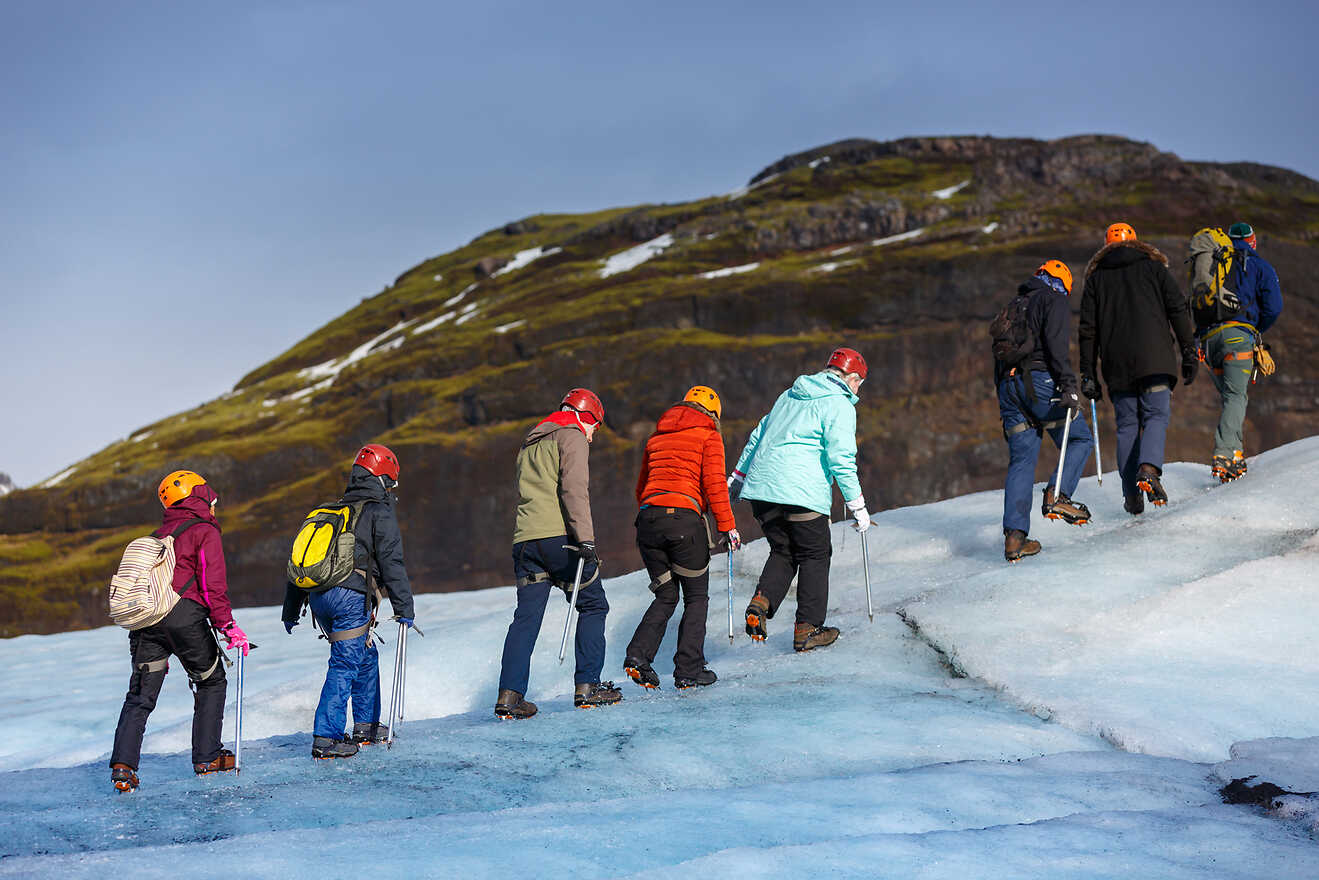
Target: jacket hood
[
  {"x": 682, "y": 416},
  {"x": 549, "y": 425},
  {"x": 1123, "y": 253},
  {"x": 1033, "y": 284},
  {"x": 364, "y": 485},
  {"x": 195, "y": 506},
  {"x": 821, "y": 384}
]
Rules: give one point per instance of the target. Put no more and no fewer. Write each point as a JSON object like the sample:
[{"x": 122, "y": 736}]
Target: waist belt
[
  {"x": 1162, "y": 386},
  {"x": 344, "y": 635},
  {"x": 699, "y": 507},
  {"x": 776, "y": 512},
  {"x": 1218, "y": 328},
  {"x": 541, "y": 577},
  {"x": 1026, "y": 426}
]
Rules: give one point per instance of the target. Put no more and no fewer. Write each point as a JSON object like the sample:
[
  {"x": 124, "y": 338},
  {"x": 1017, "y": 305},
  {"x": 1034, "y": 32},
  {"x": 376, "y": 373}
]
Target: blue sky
[{"x": 189, "y": 189}]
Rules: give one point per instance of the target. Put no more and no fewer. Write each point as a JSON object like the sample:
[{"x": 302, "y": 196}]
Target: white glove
[
  {"x": 734, "y": 540},
  {"x": 735, "y": 481},
  {"x": 858, "y": 508}
]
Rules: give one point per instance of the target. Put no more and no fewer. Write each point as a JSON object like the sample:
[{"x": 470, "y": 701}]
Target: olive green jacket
[{"x": 553, "y": 482}]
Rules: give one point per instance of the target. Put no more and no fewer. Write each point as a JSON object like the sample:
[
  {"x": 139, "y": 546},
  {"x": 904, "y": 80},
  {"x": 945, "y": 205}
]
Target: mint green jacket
[{"x": 805, "y": 445}]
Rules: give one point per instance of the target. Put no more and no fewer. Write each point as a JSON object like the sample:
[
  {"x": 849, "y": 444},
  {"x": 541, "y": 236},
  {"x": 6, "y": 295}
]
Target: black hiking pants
[
  {"x": 185, "y": 633},
  {"x": 799, "y": 544},
  {"x": 674, "y": 542}
]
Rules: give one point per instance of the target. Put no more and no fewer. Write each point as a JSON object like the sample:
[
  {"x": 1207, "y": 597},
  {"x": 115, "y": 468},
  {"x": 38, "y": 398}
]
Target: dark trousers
[
  {"x": 796, "y": 547},
  {"x": 548, "y": 555},
  {"x": 1024, "y": 446},
  {"x": 354, "y": 668},
  {"x": 669, "y": 537},
  {"x": 1141, "y": 422},
  {"x": 185, "y": 633}
]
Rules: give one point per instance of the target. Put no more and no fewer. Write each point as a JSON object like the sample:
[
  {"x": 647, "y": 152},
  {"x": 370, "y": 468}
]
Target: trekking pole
[
  {"x": 238, "y": 720},
  {"x": 395, "y": 694},
  {"x": 730, "y": 595},
  {"x": 403, "y": 674},
  {"x": 865, "y": 561},
  {"x": 572, "y": 606},
  {"x": 1062, "y": 455},
  {"x": 1094, "y": 420}
]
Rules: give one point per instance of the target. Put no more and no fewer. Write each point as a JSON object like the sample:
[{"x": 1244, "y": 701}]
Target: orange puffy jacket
[{"x": 684, "y": 465}]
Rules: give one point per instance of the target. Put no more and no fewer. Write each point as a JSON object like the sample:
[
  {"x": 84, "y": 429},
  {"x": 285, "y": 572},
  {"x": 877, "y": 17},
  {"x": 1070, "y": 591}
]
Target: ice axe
[
  {"x": 238, "y": 719},
  {"x": 572, "y": 606},
  {"x": 400, "y": 686},
  {"x": 1094, "y": 420},
  {"x": 865, "y": 562}
]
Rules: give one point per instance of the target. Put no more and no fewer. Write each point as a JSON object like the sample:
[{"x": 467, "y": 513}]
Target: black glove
[
  {"x": 1190, "y": 363},
  {"x": 1070, "y": 401},
  {"x": 1090, "y": 388},
  {"x": 586, "y": 550}
]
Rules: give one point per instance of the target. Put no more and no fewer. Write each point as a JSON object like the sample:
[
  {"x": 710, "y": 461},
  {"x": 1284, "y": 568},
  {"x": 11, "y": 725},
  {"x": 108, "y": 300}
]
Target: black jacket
[
  {"x": 1129, "y": 302},
  {"x": 379, "y": 543},
  {"x": 1050, "y": 319}
]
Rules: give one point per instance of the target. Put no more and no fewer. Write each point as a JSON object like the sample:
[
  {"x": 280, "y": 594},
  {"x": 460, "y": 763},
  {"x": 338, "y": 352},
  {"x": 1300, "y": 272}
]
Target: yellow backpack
[
  {"x": 322, "y": 554},
  {"x": 1212, "y": 258}
]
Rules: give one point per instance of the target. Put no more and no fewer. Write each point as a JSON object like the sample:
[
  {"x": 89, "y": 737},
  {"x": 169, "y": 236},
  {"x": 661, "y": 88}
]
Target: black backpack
[{"x": 1010, "y": 334}]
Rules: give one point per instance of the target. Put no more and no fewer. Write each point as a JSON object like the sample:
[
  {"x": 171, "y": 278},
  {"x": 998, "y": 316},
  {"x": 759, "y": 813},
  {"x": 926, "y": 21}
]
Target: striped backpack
[{"x": 142, "y": 589}]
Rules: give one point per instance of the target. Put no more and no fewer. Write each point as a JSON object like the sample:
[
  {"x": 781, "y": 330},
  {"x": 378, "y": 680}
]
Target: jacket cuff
[{"x": 856, "y": 503}]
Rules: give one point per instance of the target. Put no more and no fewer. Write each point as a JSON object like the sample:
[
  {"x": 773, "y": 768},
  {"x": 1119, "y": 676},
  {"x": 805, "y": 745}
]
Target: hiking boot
[
  {"x": 511, "y": 705},
  {"x": 1229, "y": 469},
  {"x": 600, "y": 693},
  {"x": 1064, "y": 508},
  {"x": 641, "y": 672},
  {"x": 806, "y": 637},
  {"x": 123, "y": 777},
  {"x": 326, "y": 747},
  {"x": 1016, "y": 545},
  {"x": 757, "y": 614},
  {"x": 704, "y": 678},
  {"x": 223, "y": 763},
  {"x": 369, "y": 733},
  {"x": 1147, "y": 481},
  {"x": 1134, "y": 504}
]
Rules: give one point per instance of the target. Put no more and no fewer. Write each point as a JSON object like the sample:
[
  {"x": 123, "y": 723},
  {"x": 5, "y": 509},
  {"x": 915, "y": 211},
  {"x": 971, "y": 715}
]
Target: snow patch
[
  {"x": 433, "y": 323},
  {"x": 950, "y": 191},
  {"x": 138, "y": 438},
  {"x": 731, "y": 270},
  {"x": 989, "y": 227},
  {"x": 830, "y": 267},
  {"x": 511, "y": 325},
  {"x": 816, "y": 163},
  {"x": 457, "y": 297},
  {"x": 335, "y": 366},
  {"x": 624, "y": 261},
  {"x": 902, "y": 236},
  {"x": 524, "y": 258},
  {"x": 438, "y": 277},
  {"x": 743, "y": 190},
  {"x": 58, "y": 478},
  {"x": 838, "y": 252},
  {"x": 468, "y": 313}
]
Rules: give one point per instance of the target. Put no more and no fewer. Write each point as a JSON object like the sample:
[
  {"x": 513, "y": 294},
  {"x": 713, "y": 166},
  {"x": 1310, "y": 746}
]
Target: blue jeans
[
  {"x": 548, "y": 555},
  {"x": 1024, "y": 446},
  {"x": 1141, "y": 421},
  {"x": 354, "y": 669}
]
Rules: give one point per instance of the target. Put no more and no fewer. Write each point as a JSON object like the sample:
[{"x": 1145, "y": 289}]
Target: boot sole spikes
[
  {"x": 754, "y": 622},
  {"x": 635, "y": 675},
  {"x": 1070, "y": 520},
  {"x": 1148, "y": 488}
]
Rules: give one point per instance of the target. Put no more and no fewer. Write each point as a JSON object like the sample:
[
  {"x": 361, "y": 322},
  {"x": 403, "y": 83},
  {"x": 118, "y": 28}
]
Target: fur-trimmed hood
[{"x": 1144, "y": 249}]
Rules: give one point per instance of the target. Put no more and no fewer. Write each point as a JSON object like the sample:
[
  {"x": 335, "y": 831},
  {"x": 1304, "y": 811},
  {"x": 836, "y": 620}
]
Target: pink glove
[{"x": 237, "y": 638}]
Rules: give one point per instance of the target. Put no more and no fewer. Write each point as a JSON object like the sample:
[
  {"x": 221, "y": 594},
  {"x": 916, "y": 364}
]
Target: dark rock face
[{"x": 456, "y": 402}]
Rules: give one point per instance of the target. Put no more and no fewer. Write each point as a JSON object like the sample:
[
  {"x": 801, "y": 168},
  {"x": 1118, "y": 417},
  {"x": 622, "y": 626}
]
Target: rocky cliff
[{"x": 901, "y": 249}]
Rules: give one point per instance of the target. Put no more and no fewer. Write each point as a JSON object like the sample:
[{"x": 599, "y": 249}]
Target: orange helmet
[
  {"x": 704, "y": 396},
  {"x": 1119, "y": 232},
  {"x": 177, "y": 486},
  {"x": 1057, "y": 269}
]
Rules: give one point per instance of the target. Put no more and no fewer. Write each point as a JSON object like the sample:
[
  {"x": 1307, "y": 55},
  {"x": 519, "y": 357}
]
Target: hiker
[
  {"x": 1229, "y": 340},
  {"x": 551, "y": 535},
  {"x": 185, "y": 632},
  {"x": 1130, "y": 301},
  {"x": 1035, "y": 395},
  {"x": 803, "y": 446},
  {"x": 682, "y": 473},
  {"x": 346, "y": 612}
]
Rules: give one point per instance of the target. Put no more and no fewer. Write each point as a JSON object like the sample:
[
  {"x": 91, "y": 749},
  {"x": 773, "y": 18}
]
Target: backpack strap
[{"x": 175, "y": 535}]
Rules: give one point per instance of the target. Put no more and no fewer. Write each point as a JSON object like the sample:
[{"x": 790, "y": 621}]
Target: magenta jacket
[{"x": 198, "y": 552}]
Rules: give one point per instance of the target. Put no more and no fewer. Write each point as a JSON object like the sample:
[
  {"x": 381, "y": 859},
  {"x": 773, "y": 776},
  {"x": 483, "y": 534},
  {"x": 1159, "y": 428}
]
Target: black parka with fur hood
[{"x": 1129, "y": 303}]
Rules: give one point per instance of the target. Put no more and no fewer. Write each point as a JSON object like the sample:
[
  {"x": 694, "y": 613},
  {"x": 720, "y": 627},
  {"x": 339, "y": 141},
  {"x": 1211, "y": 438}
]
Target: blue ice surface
[{"x": 870, "y": 758}]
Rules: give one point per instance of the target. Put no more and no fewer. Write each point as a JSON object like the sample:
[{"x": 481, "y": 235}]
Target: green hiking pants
[{"x": 1230, "y": 354}]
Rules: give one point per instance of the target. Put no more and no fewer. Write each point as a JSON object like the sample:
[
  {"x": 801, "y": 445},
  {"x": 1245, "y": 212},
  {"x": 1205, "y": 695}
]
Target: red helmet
[
  {"x": 379, "y": 460},
  {"x": 585, "y": 401},
  {"x": 848, "y": 360}
]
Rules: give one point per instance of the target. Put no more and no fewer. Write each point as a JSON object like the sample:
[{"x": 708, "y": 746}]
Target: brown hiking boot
[
  {"x": 757, "y": 614},
  {"x": 223, "y": 763},
  {"x": 1016, "y": 545},
  {"x": 598, "y": 693},
  {"x": 123, "y": 777},
  {"x": 1147, "y": 481},
  {"x": 1063, "y": 508},
  {"x": 1134, "y": 504},
  {"x": 511, "y": 705},
  {"x": 807, "y": 637}
]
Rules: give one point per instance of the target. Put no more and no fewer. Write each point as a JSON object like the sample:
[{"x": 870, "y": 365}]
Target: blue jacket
[
  {"x": 805, "y": 444},
  {"x": 1257, "y": 287}
]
